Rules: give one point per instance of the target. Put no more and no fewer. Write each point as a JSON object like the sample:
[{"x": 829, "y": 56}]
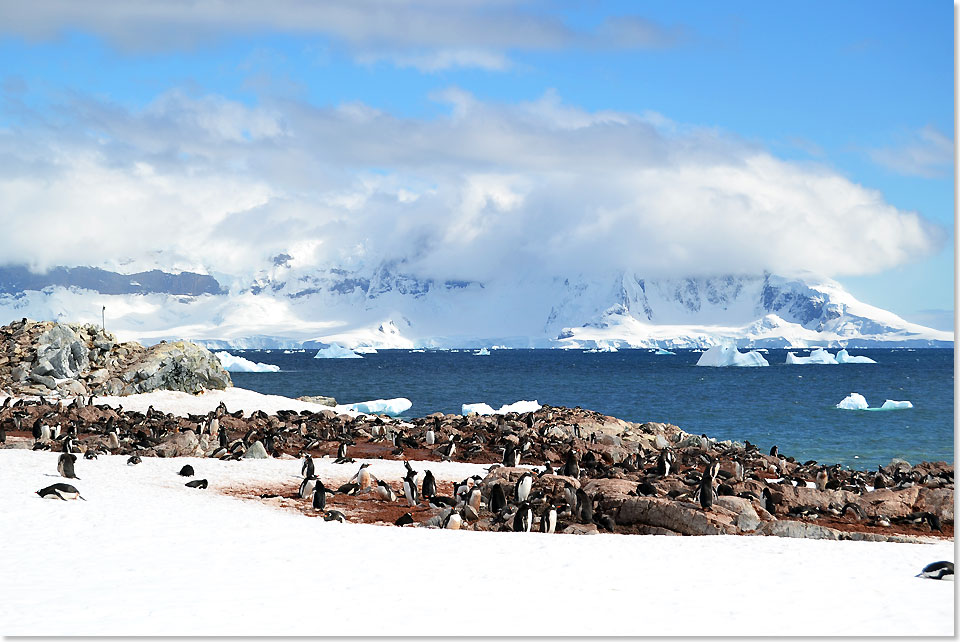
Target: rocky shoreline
[
  {"x": 598, "y": 472},
  {"x": 53, "y": 359}
]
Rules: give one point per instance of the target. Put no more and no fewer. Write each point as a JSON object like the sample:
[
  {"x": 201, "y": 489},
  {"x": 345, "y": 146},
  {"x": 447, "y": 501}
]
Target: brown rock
[{"x": 682, "y": 517}]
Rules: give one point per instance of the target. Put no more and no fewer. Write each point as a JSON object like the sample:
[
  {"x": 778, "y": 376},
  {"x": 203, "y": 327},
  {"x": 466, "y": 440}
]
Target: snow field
[{"x": 146, "y": 556}]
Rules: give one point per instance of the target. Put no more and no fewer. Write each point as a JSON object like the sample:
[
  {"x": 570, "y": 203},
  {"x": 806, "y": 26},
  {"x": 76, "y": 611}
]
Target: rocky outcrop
[{"x": 68, "y": 360}]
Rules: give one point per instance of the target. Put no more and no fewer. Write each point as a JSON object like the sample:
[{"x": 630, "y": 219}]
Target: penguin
[
  {"x": 350, "y": 488},
  {"x": 822, "y": 478},
  {"x": 70, "y": 445},
  {"x": 3, "y": 432},
  {"x": 90, "y": 454},
  {"x": 404, "y": 520},
  {"x": 134, "y": 460},
  {"x": 524, "y": 484},
  {"x": 363, "y": 477},
  {"x": 570, "y": 497},
  {"x": 705, "y": 491},
  {"x": 774, "y": 452},
  {"x": 548, "y": 519},
  {"x": 442, "y": 501},
  {"x": 447, "y": 450},
  {"x": 385, "y": 491},
  {"x": 452, "y": 521},
  {"x": 523, "y": 520},
  {"x": 429, "y": 486},
  {"x": 548, "y": 469},
  {"x": 60, "y": 491},
  {"x": 65, "y": 466},
  {"x": 113, "y": 440},
  {"x": 473, "y": 499},
  {"x": 307, "y": 469},
  {"x": 186, "y": 471},
  {"x": 431, "y": 437},
  {"x": 223, "y": 439},
  {"x": 36, "y": 431},
  {"x": 306, "y": 487},
  {"x": 341, "y": 453},
  {"x": 585, "y": 506},
  {"x": 334, "y": 516},
  {"x": 768, "y": 503},
  {"x": 410, "y": 490},
  {"x": 646, "y": 489},
  {"x": 319, "y": 496},
  {"x": 511, "y": 456},
  {"x": 937, "y": 571},
  {"x": 663, "y": 462},
  {"x": 498, "y": 501},
  {"x": 196, "y": 483},
  {"x": 571, "y": 467}
]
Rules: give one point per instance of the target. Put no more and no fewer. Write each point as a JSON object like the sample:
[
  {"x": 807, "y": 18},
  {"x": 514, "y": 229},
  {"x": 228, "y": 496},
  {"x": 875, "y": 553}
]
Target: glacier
[
  {"x": 728, "y": 355},
  {"x": 384, "y": 307}
]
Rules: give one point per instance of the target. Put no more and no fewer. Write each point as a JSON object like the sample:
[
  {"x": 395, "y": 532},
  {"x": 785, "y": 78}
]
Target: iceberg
[
  {"x": 726, "y": 355},
  {"x": 818, "y": 356},
  {"x": 844, "y": 357},
  {"x": 485, "y": 409},
  {"x": 336, "y": 351},
  {"x": 233, "y": 363},
  {"x": 482, "y": 352},
  {"x": 853, "y": 401},
  {"x": 392, "y": 407},
  {"x": 365, "y": 350},
  {"x": 662, "y": 351}
]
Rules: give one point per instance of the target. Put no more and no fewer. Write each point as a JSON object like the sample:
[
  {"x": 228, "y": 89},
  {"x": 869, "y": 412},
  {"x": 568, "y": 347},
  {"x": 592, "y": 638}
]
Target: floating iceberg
[
  {"x": 365, "y": 350},
  {"x": 233, "y": 363},
  {"x": 662, "y": 351},
  {"x": 719, "y": 356},
  {"x": 485, "y": 409},
  {"x": 482, "y": 352},
  {"x": 392, "y": 407},
  {"x": 855, "y": 401},
  {"x": 336, "y": 351},
  {"x": 844, "y": 357},
  {"x": 818, "y": 356}
]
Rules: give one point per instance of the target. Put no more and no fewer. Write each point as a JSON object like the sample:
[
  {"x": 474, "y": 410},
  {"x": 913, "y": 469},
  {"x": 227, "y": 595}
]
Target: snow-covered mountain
[{"x": 386, "y": 307}]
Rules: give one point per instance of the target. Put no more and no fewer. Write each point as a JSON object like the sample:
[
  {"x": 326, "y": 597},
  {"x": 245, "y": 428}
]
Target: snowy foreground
[{"x": 145, "y": 555}]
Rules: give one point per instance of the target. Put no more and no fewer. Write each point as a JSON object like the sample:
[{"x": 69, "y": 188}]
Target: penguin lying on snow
[
  {"x": 186, "y": 471},
  {"x": 59, "y": 491},
  {"x": 937, "y": 571},
  {"x": 196, "y": 483},
  {"x": 134, "y": 460}
]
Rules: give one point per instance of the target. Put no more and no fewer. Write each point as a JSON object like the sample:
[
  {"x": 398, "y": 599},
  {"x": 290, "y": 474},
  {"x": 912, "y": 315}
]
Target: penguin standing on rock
[
  {"x": 548, "y": 519},
  {"x": 706, "y": 491},
  {"x": 571, "y": 467},
  {"x": 523, "y": 520},
  {"x": 663, "y": 462},
  {"x": 524, "y": 484},
  {"x": 498, "y": 500},
  {"x": 822, "y": 479}
]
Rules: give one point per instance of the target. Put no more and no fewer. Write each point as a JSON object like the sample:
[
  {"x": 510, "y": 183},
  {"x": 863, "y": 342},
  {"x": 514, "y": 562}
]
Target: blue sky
[{"x": 858, "y": 95}]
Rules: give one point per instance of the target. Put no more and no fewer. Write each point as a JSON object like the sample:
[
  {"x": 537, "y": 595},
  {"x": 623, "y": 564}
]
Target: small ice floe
[
  {"x": 662, "y": 351},
  {"x": 822, "y": 357},
  {"x": 856, "y": 401},
  {"x": 727, "y": 355},
  {"x": 232, "y": 363},
  {"x": 482, "y": 352},
  {"x": 392, "y": 407},
  {"x": 485, "y": 409},
  {"x": 336, "y": 351}
]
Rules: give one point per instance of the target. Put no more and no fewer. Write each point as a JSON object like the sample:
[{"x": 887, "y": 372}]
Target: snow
[
  {"x": 365, "y": 350},
  {"x": 727, "y": 355},
  {"x": 855, "y": 401},
  {"x": 161, "y": 559},
  {"x": 392, "y": 407},
  {"x": 482, "y": 352},
  {"x": 183, "y": 404},
  {"x": 336, "y": 351},
  {"x": 485, "y": 409},
  {"x": 234, "y": 363},
  {"x": 845, "y": 357}
]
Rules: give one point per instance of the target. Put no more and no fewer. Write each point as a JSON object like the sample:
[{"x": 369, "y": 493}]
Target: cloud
[
  {"x": 487, "y": 191},
  {"x": 927, "y": 153},
  {"x": 430, "y": 35}
]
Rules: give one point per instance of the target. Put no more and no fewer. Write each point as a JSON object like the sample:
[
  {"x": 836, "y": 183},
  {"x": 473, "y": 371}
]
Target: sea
[{"x": 791, "y": 406}]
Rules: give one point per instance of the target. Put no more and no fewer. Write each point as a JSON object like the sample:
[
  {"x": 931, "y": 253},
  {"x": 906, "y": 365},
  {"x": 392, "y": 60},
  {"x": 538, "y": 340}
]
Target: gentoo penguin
[
  {"x": 134, "y": 460},
  {"x": 334, "y": 516},
  {"x": 646, "y": 489},
  {"x": 453, "y": 520},
  {"x": 319, "y": 496},
  {"x": 774, "y": 452},
  {"x": 410, "y": 490},
  {"x": 523, "y": 520},
  {"x": 431, "y": 437},
  {"x": 498, "y": 500},
  {"x": 447, "y": 450},
  {"x": 3, "y": 432},
  {"x": 90, "y": 454},
  {"x": 585, "y": 506},
  {"x": 663, "y": 462},
  {"x": 571, "y": 467},
  {"x": 113, "y": 440},
  {"x": 570, "y": 497},
  {"x": 70, "y": 445},
  {"x": 196, "y": 483},
  {"x": 307, "y": 486},
  {"x": 548, "y": 519},
  {"x": 524, "y": 484},
  {"x": 822, "y": 478},
  {"x": 36, "y": 431},
  {"x": 511, "y": 456},
  {"x": 937, "y": 571},
  {"x": 342, "y": 451},
  {"x": 411, "y": 472},
  {"x": 705, "y": 491},
  {"x": 307, "y": 469},
  {"x": 385, "y": 491},
  {"x": 548, "y": 469},
  {"x": 186, "y": 471},
  {"x": 364, "y": 478},
  {"x": 404, "y": 519},
  {"x": 473, "y": 499},
  {"x": 350, "y": 488},
  {"x": 59, "y": 491},
  {"x": 65, "y": 466},
  {"x": 223, "y": 439},
  {"x": 429, "y": 486},
  {"x": 442, "y": 501}
]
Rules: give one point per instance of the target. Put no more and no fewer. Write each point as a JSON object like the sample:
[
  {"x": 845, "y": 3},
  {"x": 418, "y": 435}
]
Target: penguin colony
[{"x": 563, "y": 448}]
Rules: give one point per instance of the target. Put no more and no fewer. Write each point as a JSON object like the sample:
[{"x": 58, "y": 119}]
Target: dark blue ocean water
[{"x": 793, "y": 406}]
